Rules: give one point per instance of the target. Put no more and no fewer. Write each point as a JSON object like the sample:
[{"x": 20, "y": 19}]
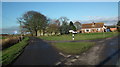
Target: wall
[{"x": 92, "y": 30}]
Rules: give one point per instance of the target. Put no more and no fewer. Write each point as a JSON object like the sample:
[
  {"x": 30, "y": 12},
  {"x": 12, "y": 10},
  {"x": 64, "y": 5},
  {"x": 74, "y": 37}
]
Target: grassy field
[
  {"x": 73, "y": 47},
  {"x": 81, "y": 36},
  {"x": 77, "y": 47},
  {"x": 9, "y": 54}
]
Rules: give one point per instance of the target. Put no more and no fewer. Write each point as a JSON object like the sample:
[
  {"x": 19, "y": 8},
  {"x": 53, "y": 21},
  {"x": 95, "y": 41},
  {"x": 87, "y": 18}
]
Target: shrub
[{"x": 9, "y": 42}]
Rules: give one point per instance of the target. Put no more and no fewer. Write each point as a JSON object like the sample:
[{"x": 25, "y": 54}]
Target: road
[
  {"x": 111, "y": 51},
  {"x": 38, "y": 52},
  {"x": 105, "y": 52}
]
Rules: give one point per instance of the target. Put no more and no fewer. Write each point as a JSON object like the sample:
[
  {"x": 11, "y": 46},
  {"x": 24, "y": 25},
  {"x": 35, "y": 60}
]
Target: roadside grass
[
  {"x": 80, "y": 36},
  {"x": 9, "y": 36},
  {"x": 9, "y": 54},
  {"x": 1, "y": 37},
  {"x": 73, "y": 47}
]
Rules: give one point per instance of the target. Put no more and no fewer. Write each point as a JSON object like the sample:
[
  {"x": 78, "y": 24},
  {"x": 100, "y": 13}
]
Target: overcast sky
[{"x": 85, "y": 12}]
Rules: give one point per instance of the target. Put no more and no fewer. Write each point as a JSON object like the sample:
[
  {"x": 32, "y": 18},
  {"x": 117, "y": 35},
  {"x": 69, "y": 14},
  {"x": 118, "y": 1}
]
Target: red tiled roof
[{"x": 92, "y": 25}]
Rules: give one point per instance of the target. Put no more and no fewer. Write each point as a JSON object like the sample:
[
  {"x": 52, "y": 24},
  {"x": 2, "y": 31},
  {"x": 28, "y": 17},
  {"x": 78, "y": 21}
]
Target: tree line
[
  {"x": 35, "y": 22},
  {"x": 118, "y": 25}
]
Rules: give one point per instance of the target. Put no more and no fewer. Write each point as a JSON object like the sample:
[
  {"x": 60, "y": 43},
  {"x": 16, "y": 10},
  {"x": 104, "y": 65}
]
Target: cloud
[
  {"x": 10, "y": 30},
  {"x": 106, "y": 20}
]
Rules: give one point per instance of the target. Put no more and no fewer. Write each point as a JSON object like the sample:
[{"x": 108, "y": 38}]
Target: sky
[
  {"x": 60, "y": 0},
  {"x": 85, "y": 12}
]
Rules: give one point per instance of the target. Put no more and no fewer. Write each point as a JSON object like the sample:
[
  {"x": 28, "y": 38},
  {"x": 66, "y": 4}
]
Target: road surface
[
  {"x": 38, "y": 52},
  {"x": 111, "y": 51},
  {"x": 105, "y": 52}
]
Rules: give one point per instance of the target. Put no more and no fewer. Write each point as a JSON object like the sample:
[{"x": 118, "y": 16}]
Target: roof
[{"x": 92, "y": 25}]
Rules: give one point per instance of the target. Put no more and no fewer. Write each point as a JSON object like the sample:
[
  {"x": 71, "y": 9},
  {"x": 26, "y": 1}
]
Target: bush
[
  {"x": 118, "y": 28},
  {"x": 9, "y": 42}
]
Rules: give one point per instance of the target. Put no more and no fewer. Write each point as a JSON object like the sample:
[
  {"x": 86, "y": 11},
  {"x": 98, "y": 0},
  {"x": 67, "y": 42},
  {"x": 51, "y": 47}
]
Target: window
[
  {"x": 87, "y": 30},
  {"x": 98, "y": 29}
]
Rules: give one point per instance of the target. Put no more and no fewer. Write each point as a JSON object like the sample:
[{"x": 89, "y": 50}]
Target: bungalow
[{"x": 93, "y": 27}]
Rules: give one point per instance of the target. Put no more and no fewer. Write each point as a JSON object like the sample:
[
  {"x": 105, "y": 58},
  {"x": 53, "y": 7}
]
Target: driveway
[{"x": 38, "y": 52}]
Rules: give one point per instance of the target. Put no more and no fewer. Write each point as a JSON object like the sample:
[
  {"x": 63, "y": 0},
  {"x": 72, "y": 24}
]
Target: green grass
[
  {"x": 9, "y": 54},
  {"x": 2, "y": 37},
  {"x": 81, "y": 36},
  {"x": 73, "y": 47}
]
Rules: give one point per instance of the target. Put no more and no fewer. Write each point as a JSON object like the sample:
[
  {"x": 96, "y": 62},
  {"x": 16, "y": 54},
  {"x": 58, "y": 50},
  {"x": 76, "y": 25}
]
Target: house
[{"x": 93, "y": 27}]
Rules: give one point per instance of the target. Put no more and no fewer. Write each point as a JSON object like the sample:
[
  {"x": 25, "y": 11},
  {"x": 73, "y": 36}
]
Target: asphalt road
[
  {"x": 38, "y": 52},
  {"x": 105, "y": 52},
  {"x": 111, "y": 51}
]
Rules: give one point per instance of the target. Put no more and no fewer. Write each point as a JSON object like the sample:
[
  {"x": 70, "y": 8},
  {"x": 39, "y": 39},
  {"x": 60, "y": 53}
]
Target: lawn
[
  {"x": 77, "y": 47},
  {"x": 73, "y": 47},
  {"x": 80, "y": 36},
  {"x": 9, "y": 54}
]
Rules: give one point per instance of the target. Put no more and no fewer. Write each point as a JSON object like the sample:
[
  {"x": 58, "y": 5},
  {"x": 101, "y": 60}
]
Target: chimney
[{"x": 93, "y": 24}]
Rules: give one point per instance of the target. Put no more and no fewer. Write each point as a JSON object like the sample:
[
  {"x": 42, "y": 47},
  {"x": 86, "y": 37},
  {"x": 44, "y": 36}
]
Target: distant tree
[
  {"x": 118, "y": 23},
  {"x": 53, "y": 28},
  {"x": 77, "y": 24},
  {"x": 64, "y": 27},
  {"x": 63, "y": 20},
  {"x": 71, "y": 26},
  {"x": 118, "y": 26},
  {"x": 34, "y": 21},
  {"x": 57, "y": 22}
]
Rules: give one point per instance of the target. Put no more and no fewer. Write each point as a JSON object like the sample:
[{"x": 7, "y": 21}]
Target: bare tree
[
  {"x": 53, "y": 28},
  {"x": 64, "y": 27},
  {"x": 77, "y": 25},
  {"x": 33, "y": 21},
  {"x": 63, "y": 20}
]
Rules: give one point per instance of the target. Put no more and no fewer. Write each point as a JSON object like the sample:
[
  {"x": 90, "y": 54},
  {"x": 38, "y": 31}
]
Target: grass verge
[
  {"x": 73, "y": 47},
  {"x": 9, "y": 54},
  {"x": 80, "y": 36},
  {"x": 1, "y": 37}
]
